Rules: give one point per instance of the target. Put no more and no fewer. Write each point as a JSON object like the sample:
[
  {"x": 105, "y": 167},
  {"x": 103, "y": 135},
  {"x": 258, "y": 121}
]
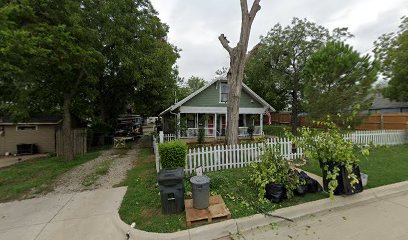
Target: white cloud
[{"x": 196, "y": 24}]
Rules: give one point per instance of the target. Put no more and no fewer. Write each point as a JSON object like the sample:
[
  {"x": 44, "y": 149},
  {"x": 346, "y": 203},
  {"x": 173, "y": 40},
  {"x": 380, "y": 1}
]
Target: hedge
[{"x": 173, "y": 154}]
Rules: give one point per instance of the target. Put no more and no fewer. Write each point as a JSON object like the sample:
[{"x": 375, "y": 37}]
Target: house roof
[
  {"x": 380, "y": 102},
  {"x": 38, "y": 119},
  {"x": 244, "y": 86}
]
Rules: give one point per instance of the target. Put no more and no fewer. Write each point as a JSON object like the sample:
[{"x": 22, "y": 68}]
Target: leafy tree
[
  {"x": 391, "y": 50},
  {"x": 277, "y": 64},
  {"x": 338, "y": 75},
  {"x": 194, "y": 83},
  {"x": 48, "y": 51}
]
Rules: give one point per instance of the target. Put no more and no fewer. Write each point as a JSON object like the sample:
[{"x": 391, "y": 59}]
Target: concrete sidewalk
[
  {"x": 382, "y": 218},
  {"x": 84, "y": 215}
]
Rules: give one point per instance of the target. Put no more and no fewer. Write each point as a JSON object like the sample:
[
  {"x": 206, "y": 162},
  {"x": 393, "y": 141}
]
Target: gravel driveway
[{"x": 121, "y": 162}]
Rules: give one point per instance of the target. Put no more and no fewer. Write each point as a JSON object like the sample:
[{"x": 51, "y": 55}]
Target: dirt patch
[{"x": 78, "y": 179}]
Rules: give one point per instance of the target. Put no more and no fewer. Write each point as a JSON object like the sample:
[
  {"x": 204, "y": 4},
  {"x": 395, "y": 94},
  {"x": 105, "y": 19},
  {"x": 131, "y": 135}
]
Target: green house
[{"x": 207, "y": 108}]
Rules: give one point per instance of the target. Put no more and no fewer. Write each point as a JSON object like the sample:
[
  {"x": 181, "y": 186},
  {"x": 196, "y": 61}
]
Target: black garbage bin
[{"x": 171, "y": 190}]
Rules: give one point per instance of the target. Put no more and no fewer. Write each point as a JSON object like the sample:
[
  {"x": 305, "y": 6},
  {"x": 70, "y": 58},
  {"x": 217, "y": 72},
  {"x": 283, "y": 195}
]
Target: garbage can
[
  {"x": 171, "y": 187},
  {"x": 201, "y": 191}
]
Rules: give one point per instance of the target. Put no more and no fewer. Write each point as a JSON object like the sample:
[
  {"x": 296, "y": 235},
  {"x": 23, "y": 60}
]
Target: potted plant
[{"x": 336, "y": 156}]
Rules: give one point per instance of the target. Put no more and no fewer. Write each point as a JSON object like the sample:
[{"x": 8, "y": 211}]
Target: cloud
[{"x": 196, "y": 24}]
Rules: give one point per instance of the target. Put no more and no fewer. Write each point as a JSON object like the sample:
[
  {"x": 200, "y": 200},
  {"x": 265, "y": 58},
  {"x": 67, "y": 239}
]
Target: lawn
[
  {"x": 37, "y": 176},
  {"x": 385, "y": 165},
  {"x": 141, "y": 203}
]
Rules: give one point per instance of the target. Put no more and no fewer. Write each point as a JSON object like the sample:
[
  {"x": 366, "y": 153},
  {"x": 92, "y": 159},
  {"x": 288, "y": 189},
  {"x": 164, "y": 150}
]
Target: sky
[{"x": 196, "y": 24}]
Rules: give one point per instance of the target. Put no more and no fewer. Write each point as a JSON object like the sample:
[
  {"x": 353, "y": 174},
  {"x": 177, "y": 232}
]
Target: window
[
  {"x": 26, "y": 128},
  {"x": 224, "y": 90}
]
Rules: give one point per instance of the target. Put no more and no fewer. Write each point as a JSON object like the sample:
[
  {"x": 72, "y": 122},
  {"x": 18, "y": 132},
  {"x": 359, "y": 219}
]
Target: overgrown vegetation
[
  {"x": 273, "y": 169},
  {"x": 141, "y": 203},
  {"x": 329, "y": 149},
  {"x": 173, "y": 154},
  {"x": 384, "y": 165},
  {"x": 275, "y": 130},
  {"x": 37, "y": 176}
]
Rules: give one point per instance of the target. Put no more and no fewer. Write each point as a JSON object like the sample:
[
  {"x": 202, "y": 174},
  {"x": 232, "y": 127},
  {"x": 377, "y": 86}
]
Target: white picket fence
[
  {"x": 166, "y": 137},
  {"x": 380, "y": 137},
  {"x": 214, "y": 158}
]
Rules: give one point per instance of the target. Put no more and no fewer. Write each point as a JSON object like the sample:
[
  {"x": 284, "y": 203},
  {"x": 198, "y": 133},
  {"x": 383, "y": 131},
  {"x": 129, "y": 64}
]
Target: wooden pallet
[{"x": 216, "y": 210}]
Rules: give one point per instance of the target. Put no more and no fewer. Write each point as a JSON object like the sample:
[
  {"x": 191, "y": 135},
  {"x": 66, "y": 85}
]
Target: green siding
[{"x": 210, "y": 97}]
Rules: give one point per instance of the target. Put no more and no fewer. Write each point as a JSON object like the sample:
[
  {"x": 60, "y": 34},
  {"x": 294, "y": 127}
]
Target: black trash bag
[
  {"x": 303, "y": 188},
  {"x": 309, "y": 185},
  {"x": 275, "y": 192}
]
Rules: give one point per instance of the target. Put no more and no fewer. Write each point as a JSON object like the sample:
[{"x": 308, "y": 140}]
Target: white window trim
[
  {"x": 220, "y": 92},
  {"x": 21, "y": 130}
]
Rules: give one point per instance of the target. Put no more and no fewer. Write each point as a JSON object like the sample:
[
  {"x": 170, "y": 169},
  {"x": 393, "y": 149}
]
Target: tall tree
[
  {"x": 238, "y": 56},
  {"x": 391, "y": 50},
  {"x": 338, "y": 75},
  {"x": 194, "y": 83},
  {"x": 283, "y": 52},
  {"x": 49, "y": 52},
  {"x": 138, "y": 71}
]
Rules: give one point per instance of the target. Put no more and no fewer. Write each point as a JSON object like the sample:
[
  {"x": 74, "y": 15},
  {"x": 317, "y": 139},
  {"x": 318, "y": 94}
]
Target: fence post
[{"x": 161, "y": 137}]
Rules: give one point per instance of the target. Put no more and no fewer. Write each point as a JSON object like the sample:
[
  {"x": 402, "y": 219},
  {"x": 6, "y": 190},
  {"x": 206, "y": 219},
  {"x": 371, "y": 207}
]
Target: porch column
[
  {"x": 178, "y": 125},
  {"x": 261, "y": 122},
  {"x": 215, "y": 126}
]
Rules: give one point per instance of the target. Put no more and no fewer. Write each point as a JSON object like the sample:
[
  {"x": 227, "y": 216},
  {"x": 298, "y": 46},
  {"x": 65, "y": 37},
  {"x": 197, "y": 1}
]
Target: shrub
[
  {"x": 201, "y": 135},
  {"x": 173, "y": 154},
  {"x": 328, "y": 146},
  {"x": 273, "y": 169}
]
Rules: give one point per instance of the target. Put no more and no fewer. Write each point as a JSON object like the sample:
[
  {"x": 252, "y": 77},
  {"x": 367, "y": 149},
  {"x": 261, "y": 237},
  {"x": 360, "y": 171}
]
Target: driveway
[{"x": 84, "y": 215}]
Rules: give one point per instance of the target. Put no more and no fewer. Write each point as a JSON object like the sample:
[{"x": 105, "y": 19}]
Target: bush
[
  {"x": 201, "y": 135},
  {"x": 329, "y": 148},
  {"x": 173, "y": 154},
  {"x": 275, "y": 130},
  {"x": 251, "y": 130},
  {"x": 273, "y": 169}
]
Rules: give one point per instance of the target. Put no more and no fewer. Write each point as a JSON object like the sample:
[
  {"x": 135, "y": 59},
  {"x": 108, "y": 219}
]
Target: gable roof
[
  {"x": 244, "y": 86},
  {"x": 380, "y": 102}
]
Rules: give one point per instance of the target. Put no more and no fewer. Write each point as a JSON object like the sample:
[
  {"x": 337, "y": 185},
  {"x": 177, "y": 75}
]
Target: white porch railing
[
  {"x": 243, "y": 131},
  {"x": 193, "y": 132}
]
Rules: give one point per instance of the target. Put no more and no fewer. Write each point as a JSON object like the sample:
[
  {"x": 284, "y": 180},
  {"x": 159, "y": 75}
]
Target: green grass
[
  {"x": 385, "y": 165},
  {"x": 141, "y": 203},
  {"x": 31, "y": 177}
]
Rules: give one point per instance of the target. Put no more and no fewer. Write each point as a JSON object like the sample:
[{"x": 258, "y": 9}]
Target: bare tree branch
[
  {"x": 225, "y": 43},
  {"x": 254, "y": 9}
]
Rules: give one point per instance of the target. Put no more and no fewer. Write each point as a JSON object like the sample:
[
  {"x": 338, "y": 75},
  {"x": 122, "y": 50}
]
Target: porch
[{"x": 214, "y": 125}]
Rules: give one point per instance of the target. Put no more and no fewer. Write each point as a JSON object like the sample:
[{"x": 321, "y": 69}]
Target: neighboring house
[
  {"x": 40, "y": 131},
  {"x": 385, "y": 105},
  {"x": 207, "y": 108}
]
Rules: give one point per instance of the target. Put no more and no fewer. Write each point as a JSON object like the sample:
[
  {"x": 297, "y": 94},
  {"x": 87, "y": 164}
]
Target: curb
[{"x": 297, "y": 212}]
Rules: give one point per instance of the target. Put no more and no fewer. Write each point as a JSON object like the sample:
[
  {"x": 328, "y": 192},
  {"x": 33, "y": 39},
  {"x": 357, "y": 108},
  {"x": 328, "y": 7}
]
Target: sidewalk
[
  {"x": 80, "y": 216},
  {"x": 382, "y": 218}
]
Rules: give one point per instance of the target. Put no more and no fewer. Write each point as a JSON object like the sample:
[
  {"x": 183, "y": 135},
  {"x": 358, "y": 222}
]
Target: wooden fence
[
  {"x": 375, "y": 121},
  {"x": 78, "y": 140}
]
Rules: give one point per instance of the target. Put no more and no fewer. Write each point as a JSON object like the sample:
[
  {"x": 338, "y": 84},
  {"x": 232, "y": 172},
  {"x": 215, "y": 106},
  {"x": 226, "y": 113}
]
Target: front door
[{"x": 221, "y": 125}]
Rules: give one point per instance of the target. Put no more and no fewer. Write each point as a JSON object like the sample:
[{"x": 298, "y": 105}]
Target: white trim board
[{"x": 222, "y": 110}]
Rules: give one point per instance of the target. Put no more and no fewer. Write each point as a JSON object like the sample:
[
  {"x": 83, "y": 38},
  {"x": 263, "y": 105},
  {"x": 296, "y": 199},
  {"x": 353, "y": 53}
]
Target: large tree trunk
[
  {"x": 238, "y": 56},
  {"x": 68, "y": 149},
  {"x": 67, "y": 129}
]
